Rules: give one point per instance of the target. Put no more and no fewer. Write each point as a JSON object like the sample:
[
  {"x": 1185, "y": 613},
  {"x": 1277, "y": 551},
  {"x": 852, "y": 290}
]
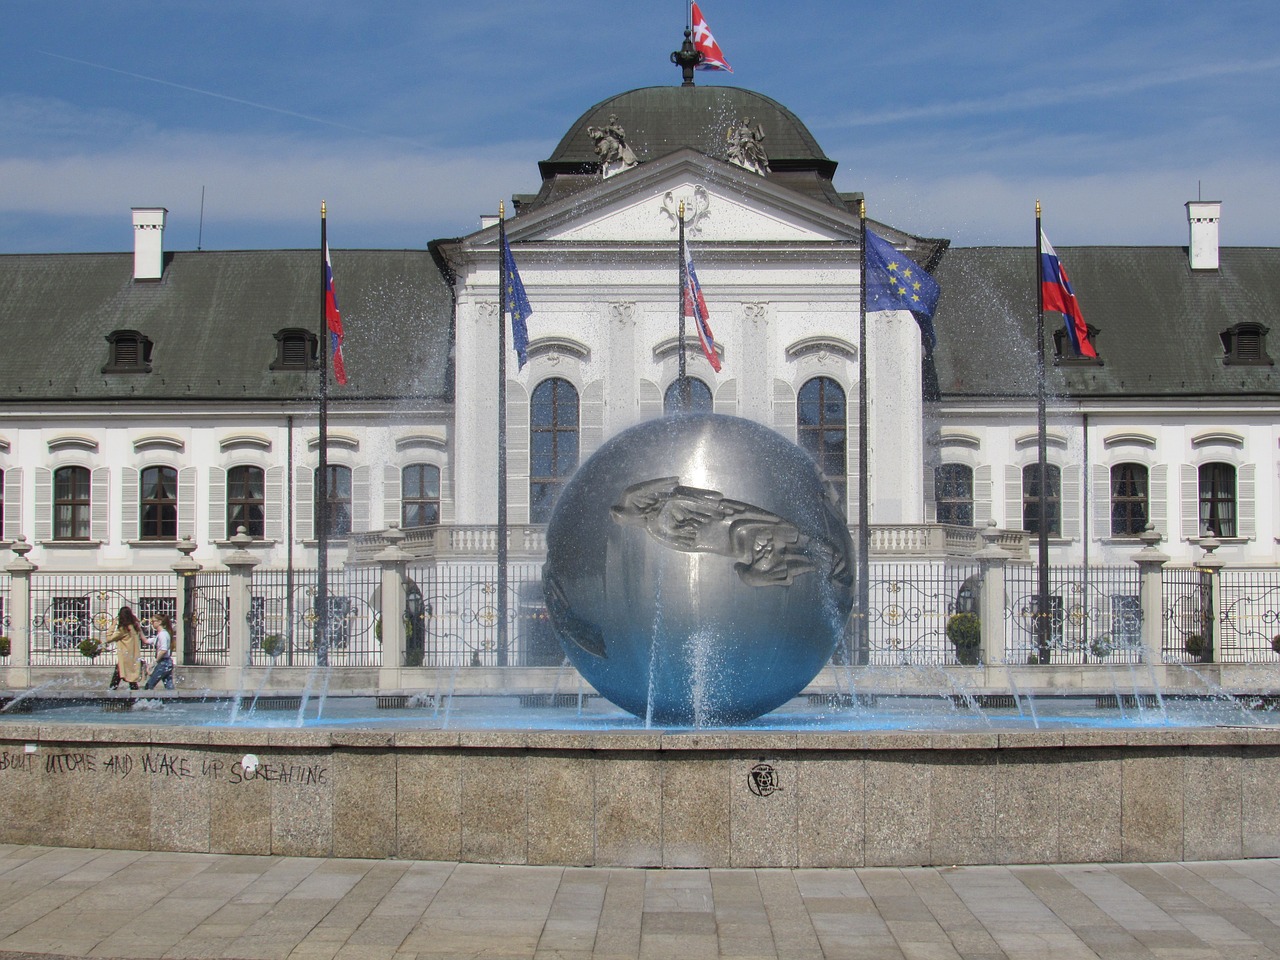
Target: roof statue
[
  {"x": 746, "y": 147},
  {"x": 611, "y": 147}
]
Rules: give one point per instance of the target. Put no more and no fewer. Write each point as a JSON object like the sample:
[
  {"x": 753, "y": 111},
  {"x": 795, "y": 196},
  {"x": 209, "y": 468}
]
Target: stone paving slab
[{"x": 62, "y": 903}]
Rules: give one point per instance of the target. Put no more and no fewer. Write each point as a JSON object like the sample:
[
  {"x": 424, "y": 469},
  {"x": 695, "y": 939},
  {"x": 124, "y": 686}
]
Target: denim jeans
[{"x": 163, "y": 671}]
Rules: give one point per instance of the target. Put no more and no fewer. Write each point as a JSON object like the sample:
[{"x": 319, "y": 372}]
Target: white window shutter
[
  {"x": 1246, "y": 496},
  {"x": 650, "y": 398},
  {"x": 44, "y": 504},
  {"x": 592, "y": 431},
  {"x": 1013, "y": 497},
  {"x": 100, "y": 505},
  {"x": 784, "y": 409},
  {"x": 517, "y": 453},
  {"x": 304, "y": 510},
  {"x": 726, "y": 399},
  {"x": 360, "y": 499},
  {"x": 273, "y": 505},
  {"x": 982, "y": 493},
  {"x": 391, "y": 487},
  {"x": 218, "y": 505},
  {"x": 129, "y": 504},
  {"x": 1071, "y": 501},
  {"x": 187, "y": 503},
  {"x": 930, "y": 494},
  {"x": 12, "y": 503},
  {"x": 1100, "y": 502},
  {"x": 1190, "y": 501},
  {"x": 1158, "y": 498}
]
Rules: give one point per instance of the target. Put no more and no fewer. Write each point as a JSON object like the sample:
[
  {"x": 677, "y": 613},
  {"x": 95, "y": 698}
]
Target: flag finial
[
  {"x": 1037, "y": 208},
  {"x": 322, "y": 210},
  {"x": 686, "y": 58}
]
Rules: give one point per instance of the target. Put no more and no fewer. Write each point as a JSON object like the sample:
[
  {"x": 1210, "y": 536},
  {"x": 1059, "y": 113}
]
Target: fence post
[
  {"x": 20, "y": 571},
  {"x": 392, "y": 561},
  {"x": 1151, "y": 563},
  {"x": 992, "y": 561},
  {"x": 186, "y": 570},
  {"x": 1209, "y": 566},
  {"x": 240, "y": 563}
]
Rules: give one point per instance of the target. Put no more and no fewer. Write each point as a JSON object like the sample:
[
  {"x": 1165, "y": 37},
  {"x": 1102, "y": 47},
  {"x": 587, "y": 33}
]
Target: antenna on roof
[{"x": 200, "y": 234}]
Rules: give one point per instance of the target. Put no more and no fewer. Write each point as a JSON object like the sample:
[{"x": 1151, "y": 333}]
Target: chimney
[
  {"x": 1202, "y": 216},
  {"x": 148, "y": 242}
]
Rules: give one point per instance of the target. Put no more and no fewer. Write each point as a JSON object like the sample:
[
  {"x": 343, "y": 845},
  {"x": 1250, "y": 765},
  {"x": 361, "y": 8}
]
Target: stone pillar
[
  {"x": 184, "y": 645},
  {"x": 392, "y": 561},
  {"x": 19, "y": 612},
  {"x": 1209, "y": 566},
  {"x": 240, "y": 563},
  {"x": 1151, "y": 563},
  {"x": 992, "y": 561}
]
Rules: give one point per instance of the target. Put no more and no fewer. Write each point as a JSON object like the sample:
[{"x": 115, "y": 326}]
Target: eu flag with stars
[
  {"x": 517, "y": 303},
  {"x": 894, "y": 282}
]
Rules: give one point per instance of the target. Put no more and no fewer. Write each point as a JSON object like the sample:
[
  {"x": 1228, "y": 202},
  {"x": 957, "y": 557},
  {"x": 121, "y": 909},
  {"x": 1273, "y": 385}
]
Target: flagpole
[
  {"x": 502, "y": 435},
  {"x": 1042, "y": 604},
  {"x": 863, "y": 609},
  {"x": 682, "y": 378},
  {"x": 322, "y": 479}
]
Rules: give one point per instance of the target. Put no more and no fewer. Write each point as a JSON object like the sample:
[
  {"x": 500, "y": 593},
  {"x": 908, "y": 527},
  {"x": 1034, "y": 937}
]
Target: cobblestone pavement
[{"x": 119, "y": 903}]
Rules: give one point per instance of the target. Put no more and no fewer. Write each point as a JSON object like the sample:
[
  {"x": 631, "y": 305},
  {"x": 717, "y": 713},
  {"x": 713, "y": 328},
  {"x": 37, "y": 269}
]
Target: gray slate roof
[
  {"x": 1158, "y": 322},
  {"x": 213, "y": 320}
]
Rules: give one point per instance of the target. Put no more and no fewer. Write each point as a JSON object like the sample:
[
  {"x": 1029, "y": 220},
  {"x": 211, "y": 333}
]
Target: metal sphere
[{"x": 697, "y": 573}]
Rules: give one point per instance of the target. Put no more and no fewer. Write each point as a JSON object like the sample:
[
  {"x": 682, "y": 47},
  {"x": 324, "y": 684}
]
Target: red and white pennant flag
[{"x": 705, "y": 43}]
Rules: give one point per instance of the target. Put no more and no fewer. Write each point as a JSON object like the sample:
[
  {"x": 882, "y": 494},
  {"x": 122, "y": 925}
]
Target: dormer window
[
  {"x": 1245, "y": 345},
  {"x": 1064, "y": 353},
  {"x": 296, "y": 349},
  {"x": 128, "y": 351}
]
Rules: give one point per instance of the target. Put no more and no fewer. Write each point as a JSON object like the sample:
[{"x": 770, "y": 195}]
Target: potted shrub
[
  {"x": 273, "y": 645},
  {"x": 5, "y": 646},
  {"x": 89, "y": 647},
  {"x": 964, "y": 630},
  {"x": 1275, "y": 643},
  {"x": 1100, "y": 648},
  {"x": 1194, "y": 645}
]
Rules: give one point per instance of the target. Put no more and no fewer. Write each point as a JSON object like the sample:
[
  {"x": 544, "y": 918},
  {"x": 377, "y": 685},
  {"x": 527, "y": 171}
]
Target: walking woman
[
  {"x": 127, "y": 637},
  {"x": 164, "y": 652}
]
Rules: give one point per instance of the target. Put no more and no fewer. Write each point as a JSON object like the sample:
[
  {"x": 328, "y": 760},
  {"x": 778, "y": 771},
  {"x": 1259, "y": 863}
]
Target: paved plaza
[{"x": 118, "y": 903}]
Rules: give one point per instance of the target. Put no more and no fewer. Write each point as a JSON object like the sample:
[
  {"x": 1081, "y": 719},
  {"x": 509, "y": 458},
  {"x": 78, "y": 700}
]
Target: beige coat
[{"x": 128, "y": 643}]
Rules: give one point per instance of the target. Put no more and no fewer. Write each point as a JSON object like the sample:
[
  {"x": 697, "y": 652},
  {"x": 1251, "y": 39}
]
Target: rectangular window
[
  {"x": 246, "y": 502},
  {"x": 1126, "y": 621},
  {"x": 953, "y": 494},
  {"x": 1218, "y": 499},
  {"x": 1031, "y": 491},
  {"x": 1129, "y": 511},
  {"x": 71, "y": 501},
  {"x": 68, "y": 622}
]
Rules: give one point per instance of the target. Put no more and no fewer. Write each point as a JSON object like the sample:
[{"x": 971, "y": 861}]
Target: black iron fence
[
  {"x": 1094, "y": 614},
  {"x": 1186, "y": 613},
  {"x": 5, "y": 648},
  {"x": 1248, "y": 618},
  {"x": 285, "y": 619},
  {"x": 909, "y": 607},
  {"x": 72, "y": 614},
  {"x": 206, "y": 637},
  {"x": 454, "y": 621}
]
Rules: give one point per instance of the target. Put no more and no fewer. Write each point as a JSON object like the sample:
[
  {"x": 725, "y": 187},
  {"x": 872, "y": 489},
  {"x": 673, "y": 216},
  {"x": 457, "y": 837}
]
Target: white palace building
[{"x": 153, "y": 402}]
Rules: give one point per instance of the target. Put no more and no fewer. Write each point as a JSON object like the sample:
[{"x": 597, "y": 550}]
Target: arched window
[
  {"x": 1218, "y": 499},
  {"x": 420, "y": 495},
  {"x": 553, "y": 443},
  {"x": 71, "y": 503},
  {"x": 699, "y": 397},
  {"x": 1129, "y": 507},
  {"x": 246, "y": 501},
  {"x": 953, "y": 493},
  {"x": 158, "y": 507},
  {"x": 337, "y": 506},
  {"x": 823, "y": 431},
  {"x": 1031, "y": 490}
]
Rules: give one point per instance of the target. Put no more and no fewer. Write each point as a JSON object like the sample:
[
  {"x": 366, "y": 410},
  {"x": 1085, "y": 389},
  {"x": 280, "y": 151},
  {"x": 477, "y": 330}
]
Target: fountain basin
[{"x": 647, "y": 798}]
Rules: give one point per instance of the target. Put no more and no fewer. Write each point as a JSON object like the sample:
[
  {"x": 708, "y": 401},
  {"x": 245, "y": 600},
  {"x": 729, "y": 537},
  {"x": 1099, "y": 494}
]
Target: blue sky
[{"x": 414, "y": 118}]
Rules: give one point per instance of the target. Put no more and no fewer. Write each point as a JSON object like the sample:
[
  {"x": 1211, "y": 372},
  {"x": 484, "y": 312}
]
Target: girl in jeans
[{"x": 164, "y": 653}]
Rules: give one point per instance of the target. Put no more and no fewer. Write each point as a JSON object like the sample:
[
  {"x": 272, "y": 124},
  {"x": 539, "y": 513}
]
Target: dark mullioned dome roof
[{"x": 661, "y": 120}]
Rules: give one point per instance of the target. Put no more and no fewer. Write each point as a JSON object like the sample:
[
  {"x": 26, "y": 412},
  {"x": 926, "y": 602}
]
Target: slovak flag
[
  {"x": 705, "y": 43},
  {"x": 333, "y": 319},
  {"x": 1056, "y": 294},
  {"x": 696, "y": 307}
]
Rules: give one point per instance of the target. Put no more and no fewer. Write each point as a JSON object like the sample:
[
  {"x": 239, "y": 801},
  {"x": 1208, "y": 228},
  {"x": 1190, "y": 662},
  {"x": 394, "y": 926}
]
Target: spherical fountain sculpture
[{"x": 697, "y": 571}]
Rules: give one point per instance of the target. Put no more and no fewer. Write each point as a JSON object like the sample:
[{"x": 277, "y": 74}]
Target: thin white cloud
[{"x": 1045, "y": 96}]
